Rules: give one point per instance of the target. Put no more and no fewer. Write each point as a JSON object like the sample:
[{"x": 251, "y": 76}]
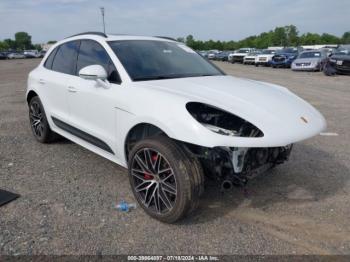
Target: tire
[
  {"x": 174, "y": 192},
  {"x": 38, "y": 122},
  {"x": 321, "y": 68}
]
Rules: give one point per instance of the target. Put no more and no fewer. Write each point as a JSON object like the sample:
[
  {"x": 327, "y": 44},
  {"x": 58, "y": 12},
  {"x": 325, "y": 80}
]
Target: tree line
[
  {"x": 22, "y": 41},
  {"x": 280, "y": 36}
]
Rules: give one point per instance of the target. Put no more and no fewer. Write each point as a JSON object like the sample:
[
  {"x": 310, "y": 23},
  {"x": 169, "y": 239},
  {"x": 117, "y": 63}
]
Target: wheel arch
[
  {"x": 30, "y": 95},
  {"x": 138, "y": 132}
]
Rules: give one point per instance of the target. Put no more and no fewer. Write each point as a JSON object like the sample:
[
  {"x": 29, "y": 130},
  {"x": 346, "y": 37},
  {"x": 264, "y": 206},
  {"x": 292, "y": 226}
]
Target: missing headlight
[{"x": 222, "y": 122}]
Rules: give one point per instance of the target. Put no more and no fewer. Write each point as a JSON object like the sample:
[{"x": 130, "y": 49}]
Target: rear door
[
  {"x": 59, "y": 68},
  {"x": 91, "y": 106}
]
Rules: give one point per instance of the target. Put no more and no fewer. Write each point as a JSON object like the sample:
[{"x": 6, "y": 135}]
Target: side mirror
[{"x": 93, "y": 72}]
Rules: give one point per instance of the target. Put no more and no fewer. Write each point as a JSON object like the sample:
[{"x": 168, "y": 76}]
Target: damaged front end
[{"x": 233, "y": 165}]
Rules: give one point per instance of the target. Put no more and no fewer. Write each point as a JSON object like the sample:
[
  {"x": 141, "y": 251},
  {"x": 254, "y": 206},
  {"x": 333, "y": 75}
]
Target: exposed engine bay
[{"x": 235, "y": 166}]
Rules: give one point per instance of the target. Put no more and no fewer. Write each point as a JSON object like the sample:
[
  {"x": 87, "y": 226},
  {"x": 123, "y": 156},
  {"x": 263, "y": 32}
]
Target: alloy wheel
[
  {"x": 36, "y": 119},
  {"x": 154, "y": 181}
]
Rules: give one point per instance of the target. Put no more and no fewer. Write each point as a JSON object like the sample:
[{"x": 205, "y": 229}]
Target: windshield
[
  {"x": 151, "y": 59},
  {"x": 268, "y": 52},
  {"x": 342, "y": 51},
  {"x": 310, "y": 55},
  {"x": 243, "y": 51},
  {"x": 287, "y": 51}
]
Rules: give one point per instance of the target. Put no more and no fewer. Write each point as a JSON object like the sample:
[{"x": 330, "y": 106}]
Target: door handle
[
  {"x": 72, "y": 89},
  {"x": 42, "y": 81}
]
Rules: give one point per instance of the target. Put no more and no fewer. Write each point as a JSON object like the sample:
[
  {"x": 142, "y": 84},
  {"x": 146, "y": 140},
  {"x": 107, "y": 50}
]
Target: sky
[{"x": 224, "y": 20}]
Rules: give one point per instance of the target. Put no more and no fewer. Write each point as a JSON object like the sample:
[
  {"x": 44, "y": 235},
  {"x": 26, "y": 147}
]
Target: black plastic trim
[{"x": 81, "y": 134}]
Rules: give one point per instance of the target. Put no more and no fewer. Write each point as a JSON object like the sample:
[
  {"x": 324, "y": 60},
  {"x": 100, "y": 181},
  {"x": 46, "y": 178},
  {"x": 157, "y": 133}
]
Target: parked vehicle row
[
  {"x": 19, "y": 55},
  {"x": 329, "y": 60}
]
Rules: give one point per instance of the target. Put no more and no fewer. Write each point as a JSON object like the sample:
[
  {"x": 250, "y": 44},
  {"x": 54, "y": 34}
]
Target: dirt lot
[{"x": 68, "y": 193}]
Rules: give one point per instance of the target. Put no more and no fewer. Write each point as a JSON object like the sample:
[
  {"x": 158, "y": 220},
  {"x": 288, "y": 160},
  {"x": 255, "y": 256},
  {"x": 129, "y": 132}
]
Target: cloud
[{"x": 222, "y": 19}]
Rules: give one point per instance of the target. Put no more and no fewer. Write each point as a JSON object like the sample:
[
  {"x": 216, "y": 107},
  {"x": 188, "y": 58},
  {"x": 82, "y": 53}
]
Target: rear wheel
[
  {"x": 166, "y": 182},
  {"x": 38, "y": 121}
]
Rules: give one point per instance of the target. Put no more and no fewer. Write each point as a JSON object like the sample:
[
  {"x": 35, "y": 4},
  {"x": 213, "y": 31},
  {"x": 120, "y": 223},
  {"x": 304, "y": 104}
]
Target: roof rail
[
  {"x": 90, "y": 33},
  {"x": 166, "y": 37}
]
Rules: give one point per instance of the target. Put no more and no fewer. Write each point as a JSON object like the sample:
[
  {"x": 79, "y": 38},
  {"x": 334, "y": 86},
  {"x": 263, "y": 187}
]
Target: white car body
[
  {"x": 249, "y": 59},
  {"x": 15, "y": 56},
  {"x": 211, "y": 55},
  {"x": 110, "y": 113},
  {"x": 32, "y": 53},
  {"x": 157, "y": 107},
  {"x": 239, "y": 55},
  {"x": 264, "y": 59}
]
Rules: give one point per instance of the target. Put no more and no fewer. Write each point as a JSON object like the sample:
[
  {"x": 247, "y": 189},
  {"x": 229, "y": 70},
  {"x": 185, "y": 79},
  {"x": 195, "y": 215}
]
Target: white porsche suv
[{"x": 155, "y": 106}]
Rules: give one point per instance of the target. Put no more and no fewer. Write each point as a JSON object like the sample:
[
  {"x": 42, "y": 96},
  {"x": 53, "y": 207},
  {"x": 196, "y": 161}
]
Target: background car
[
  {"x": 339, "y": 62},
  {"x": 265, "y": 57},
  {"x": 284, "y": 58},
  {"x": 222, "y": 56},
  {"x": 3, "y": 56},
  {"x": 211, "y": 56},
  {"x": 212, "y": 53},
  {"x": 238, "y": 56},
  {"x": 15, "y": 55},
  {"x": 31, "y": 53},
  {"x": 203, "y": 53},
  {"x": 313, "y": 60},
  {"x": 42, "y": 53},
  {"x": 249, "y": 59}
]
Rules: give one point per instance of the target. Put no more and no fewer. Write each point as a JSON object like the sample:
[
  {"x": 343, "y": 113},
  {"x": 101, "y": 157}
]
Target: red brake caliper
[
  {"x": 145, "y": 174},
  {"x": 154, "y": 158}
]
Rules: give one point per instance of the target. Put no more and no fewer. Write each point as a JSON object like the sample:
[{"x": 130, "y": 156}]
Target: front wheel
[{"x": 166, "y": 182}]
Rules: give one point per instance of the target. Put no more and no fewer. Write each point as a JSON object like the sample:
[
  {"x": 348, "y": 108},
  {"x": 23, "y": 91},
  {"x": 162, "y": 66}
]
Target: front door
[
  {"x": 92, "y": 107},
  {"x": 59, "y": 68}
]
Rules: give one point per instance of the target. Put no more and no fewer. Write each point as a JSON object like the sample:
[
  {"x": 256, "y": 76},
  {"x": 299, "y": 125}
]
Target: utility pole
[{"x": 103, "y": 18}]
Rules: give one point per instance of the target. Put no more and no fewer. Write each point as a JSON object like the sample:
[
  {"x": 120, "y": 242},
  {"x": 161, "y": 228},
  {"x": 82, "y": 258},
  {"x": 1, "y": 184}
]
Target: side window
[
  {"x": 49, "y": 60},
  {"x": 66, "y": 57},
  {"x": 92, "y": 53}
]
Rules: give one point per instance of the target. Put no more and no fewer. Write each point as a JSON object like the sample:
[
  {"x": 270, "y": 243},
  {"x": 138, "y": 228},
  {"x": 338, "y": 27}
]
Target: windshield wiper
[{"x": 145, "y": 78}]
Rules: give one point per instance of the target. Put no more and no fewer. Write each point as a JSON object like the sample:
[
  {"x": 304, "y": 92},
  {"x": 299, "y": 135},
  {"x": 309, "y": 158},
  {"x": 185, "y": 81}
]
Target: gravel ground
[{"x": 68, "y": 193}]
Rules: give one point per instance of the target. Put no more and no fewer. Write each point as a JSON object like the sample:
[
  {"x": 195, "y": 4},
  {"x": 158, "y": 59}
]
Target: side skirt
[{"x": 83, "y": 135}]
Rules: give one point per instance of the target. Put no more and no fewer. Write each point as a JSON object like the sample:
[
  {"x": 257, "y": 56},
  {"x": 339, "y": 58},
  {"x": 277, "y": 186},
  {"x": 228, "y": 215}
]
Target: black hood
[{"x": 341, "y": 57}]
